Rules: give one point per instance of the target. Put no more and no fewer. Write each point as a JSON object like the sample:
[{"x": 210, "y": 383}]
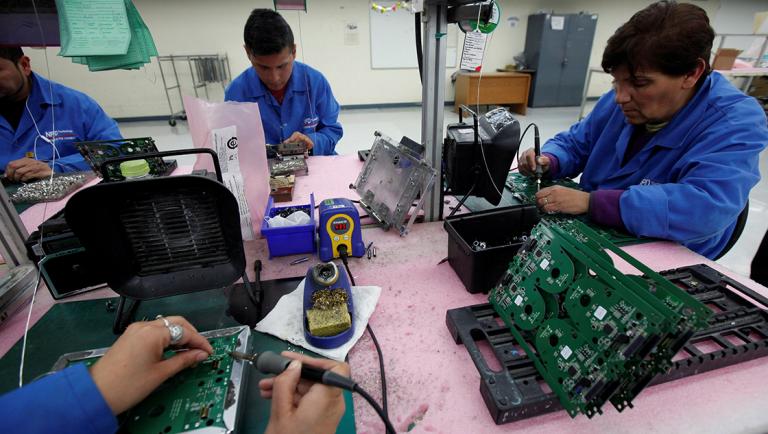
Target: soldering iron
[
  {"x": 537, "y": 153},
  {"x": 273, "y": 363}
]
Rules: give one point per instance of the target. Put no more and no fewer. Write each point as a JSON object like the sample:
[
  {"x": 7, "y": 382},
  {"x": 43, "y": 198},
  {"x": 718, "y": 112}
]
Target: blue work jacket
[
  {"x": 67, "y": 401},
  {"x": 308, "y": 107},
  {"x": 77, "y": 118},
  {"x": 690, "y": 181}
]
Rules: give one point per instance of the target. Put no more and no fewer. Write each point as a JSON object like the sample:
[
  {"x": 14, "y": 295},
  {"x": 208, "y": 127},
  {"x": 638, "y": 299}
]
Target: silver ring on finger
[{"x": 176, "y": 331}]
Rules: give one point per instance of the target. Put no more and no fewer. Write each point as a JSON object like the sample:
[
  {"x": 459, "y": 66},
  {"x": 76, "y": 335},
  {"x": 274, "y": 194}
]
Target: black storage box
[{"x": 481, "y": 266}]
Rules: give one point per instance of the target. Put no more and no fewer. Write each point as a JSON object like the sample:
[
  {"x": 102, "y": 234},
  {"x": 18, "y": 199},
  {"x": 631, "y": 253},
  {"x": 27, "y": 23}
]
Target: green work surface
[{"x": 84, "y": 325}]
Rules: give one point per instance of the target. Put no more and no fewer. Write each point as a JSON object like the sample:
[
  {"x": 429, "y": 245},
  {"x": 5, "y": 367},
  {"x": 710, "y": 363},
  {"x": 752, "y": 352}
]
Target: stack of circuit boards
[
  {"x": 524, "y": 189},
  {"x": 594, "y": 334},
  {"x": 204, "y": 398}
]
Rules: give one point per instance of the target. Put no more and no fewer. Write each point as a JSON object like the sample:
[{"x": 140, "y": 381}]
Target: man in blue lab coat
[
  {"x": 295, "y": 101},
  {"x": 40, "y": 121},
  {"x": 673, "y": 150}
]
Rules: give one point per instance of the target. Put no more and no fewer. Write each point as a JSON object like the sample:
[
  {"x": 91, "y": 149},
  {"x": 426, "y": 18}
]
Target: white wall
[{"x": 203, "y": 26}]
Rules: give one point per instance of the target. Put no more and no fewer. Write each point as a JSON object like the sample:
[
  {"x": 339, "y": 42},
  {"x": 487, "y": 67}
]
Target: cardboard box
[{"x": 724, "y": 58}]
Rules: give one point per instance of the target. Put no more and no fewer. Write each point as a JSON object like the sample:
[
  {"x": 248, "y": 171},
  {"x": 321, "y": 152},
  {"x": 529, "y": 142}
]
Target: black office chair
[
  {"x": 160, "y": 237},
  {"x": 741, "y": 221}
]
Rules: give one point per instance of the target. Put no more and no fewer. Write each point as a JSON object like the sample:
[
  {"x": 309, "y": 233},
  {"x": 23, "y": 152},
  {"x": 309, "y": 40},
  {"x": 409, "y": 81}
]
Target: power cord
[{"x": 343, "y": 254}]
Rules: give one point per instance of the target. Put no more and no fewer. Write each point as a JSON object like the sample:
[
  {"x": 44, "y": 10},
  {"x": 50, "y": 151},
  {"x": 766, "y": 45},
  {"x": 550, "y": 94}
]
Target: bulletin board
[{"x": 393, "y": 43}]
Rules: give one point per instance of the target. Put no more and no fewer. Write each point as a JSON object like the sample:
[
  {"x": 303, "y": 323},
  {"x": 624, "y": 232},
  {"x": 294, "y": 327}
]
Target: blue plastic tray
[{"x": 290, "y": 240}]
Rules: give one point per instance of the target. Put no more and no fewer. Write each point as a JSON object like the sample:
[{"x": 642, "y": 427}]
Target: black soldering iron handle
[
  {"x": 537, "y": 150},
  {"x": 273, "y": 363}
]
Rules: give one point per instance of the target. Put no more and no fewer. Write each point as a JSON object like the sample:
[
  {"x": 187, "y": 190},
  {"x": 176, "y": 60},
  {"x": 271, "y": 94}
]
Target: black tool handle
[{"x": 273, "y": 363}]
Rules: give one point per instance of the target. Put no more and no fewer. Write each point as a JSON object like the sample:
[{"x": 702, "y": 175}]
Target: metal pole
[
  {"x": 12, "y": 233},
  {"x": 165, "y": 85},
  {"x": 433, "y": 99}
]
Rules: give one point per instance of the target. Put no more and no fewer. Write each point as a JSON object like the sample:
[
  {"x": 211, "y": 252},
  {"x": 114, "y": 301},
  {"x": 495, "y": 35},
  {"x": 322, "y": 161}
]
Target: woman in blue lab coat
[
  {"x": 80, "y": 401},
  {"x": 672, "y": 151},
  {"x": 295, "y": 101},
  {"x": 36, "y": 114}
]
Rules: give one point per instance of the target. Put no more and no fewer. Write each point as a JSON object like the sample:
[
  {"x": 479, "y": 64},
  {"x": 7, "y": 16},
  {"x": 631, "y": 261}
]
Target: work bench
[{"x": 432, "y": 381}]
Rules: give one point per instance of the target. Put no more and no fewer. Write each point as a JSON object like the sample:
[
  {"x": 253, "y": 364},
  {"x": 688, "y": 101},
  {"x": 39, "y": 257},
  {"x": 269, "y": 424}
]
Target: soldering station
[{"x": 551, "y": 319}]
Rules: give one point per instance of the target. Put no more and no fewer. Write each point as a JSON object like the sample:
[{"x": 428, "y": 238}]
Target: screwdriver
[{"x": 269, "y": 362}]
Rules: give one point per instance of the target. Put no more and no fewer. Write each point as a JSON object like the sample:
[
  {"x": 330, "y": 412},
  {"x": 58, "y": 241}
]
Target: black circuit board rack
[{"x": 737, "y": 332}]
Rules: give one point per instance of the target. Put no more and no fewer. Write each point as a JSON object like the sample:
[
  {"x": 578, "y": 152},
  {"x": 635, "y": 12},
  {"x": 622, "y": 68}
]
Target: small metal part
[
  {"x": 299, "y": 261},
  {"x": 110, "y": 306},
  {"x": 47, "y": 189},
  {"x": 374, "y": 251},
  {"x": 369, "y": 246},
  {"x": 369, "y": 254},
  {"x": 237, "y": 355}
]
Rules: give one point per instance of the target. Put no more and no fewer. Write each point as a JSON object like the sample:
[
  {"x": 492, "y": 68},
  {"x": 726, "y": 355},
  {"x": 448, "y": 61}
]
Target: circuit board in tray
[
  {"x": 203, "y": 398},
  {"x": 594, "y": 334}
]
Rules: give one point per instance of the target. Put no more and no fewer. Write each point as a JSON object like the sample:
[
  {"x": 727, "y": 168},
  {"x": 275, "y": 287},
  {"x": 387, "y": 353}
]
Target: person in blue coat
[
  {"x": 40, "y": 121},
  {"x": 76, "y": 400},
  {"x": 673, "y": 150},
  {"x": 295, "y": 100}
]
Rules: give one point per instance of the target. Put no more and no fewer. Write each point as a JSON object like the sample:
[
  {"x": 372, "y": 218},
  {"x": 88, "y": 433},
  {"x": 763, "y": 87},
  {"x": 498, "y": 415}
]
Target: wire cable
[
  {"x": 45, "y": 205},
  {"x": 380, "y": 354},
  {"x": 387, "y": 424}
]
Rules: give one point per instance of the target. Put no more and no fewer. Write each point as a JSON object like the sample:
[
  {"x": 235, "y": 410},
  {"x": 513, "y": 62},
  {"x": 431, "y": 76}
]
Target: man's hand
[
  {"x": 298, "y": 137},
  {"x": 527, "y": 163},
  {"x": 26, "y": 169},
  {"x": 564, "y": 200},
  {"x": 134, "y": 366},
  {"x": 302, "y": 406}
]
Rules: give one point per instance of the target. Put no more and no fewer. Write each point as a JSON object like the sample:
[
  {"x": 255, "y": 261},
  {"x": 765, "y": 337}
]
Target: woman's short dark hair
[
  {"x": 267, "y": 32},
  {"x": 11, "y": 53},
  {"x": 666, "y": 36}
]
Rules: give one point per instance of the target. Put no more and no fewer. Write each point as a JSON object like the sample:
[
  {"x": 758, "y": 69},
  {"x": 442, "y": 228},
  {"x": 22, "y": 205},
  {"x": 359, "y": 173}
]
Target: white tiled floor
[{"x": 360, "y": 124}]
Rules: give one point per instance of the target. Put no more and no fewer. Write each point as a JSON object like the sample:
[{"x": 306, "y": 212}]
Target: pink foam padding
[{"x": 204, "y": 116}]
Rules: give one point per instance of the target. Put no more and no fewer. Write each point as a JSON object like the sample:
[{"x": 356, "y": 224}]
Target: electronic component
[
  {"x": 292, "y": 149},
  {"x": 477, "y": 157},
  {"x": 281, "y": 187},
  {"x": 328, "y": 306},
  {"x": 736, "y": 333},
  {"x": 339, "y": 229},
  {"x": 50, "y": 189},
  {"x": 593, "y": 333},
  {"x": 97, "y": 152},
  {"x": 204, "y": 398},
  {"x": 295, "y": 166},
  {"x": 392, "y": 178}
]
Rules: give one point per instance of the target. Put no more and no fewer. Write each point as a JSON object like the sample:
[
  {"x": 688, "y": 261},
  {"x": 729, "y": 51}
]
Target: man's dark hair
[
  {"x": 666, "y": 36},
  {"x": 11, "y": 53},
  {"x": 266, "y": 32}
]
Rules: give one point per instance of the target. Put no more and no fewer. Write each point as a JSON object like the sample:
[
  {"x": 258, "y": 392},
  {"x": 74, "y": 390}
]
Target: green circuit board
[
  {"x": 594, "y": 334},
  {"x": 524, "y": 190},
  {"x": 195, "y": 399}
]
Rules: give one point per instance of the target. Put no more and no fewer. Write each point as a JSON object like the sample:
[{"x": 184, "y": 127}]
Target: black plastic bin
[{"x": 480, "y": 267}]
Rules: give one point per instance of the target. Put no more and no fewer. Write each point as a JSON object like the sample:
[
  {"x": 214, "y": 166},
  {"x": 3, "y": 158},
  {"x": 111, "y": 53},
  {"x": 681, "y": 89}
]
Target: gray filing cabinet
[{"x": 558, "y": 47}]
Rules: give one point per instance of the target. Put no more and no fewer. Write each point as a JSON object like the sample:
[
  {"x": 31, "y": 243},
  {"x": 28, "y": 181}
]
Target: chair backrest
[
  {"x": 160, "y": 237},
  {"x": 741, "y": 221}
]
